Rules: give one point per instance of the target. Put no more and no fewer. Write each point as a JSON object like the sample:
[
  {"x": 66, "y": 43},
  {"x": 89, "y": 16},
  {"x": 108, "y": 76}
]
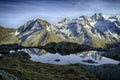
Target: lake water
[{"x": 93, "y": 57}]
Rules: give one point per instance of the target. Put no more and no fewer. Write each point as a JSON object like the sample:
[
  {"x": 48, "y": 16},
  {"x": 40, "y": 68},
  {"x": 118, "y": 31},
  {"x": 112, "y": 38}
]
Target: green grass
[{"x": 28, "y": 70}]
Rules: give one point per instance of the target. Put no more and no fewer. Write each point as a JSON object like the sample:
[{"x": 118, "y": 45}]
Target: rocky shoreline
[
  {"x": 106, "y": 71},
  {"x": 25, "y": 69},
  {"x": 19, "y": 66}
]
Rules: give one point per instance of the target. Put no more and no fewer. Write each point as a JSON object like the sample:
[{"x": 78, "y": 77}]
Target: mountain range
[{"x": 98, "y": 31}]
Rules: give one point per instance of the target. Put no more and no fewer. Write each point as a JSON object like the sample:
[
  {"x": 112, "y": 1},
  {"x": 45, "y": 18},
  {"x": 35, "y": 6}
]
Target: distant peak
[
  {"x": 38, "y": 19},
  {"x": 97, "y": 16},
  {"x": 64, "y": 20},
  {"x": 83, "y": 17}
]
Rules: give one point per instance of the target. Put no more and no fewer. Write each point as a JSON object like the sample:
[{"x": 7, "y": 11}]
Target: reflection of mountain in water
[
  {"x": 64, "y": 48},
  {"x": 88, "y": 58},
  {"x": 94, "y": 54},
  {"x": 64, "y": 53}
]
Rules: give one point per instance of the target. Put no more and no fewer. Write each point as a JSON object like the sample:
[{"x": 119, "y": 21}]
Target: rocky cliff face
[
  {"x": 97, "y": 31},
  {"x": 34, "y": 33}
]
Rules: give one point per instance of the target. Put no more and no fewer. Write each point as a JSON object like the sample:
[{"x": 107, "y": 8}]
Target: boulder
[
  {"x": 20, "y": 54},
  {"x": 113, "y": 53}
]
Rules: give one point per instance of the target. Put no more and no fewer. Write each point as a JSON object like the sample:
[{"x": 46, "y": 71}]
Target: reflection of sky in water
[{"x": 73, "y": 58}]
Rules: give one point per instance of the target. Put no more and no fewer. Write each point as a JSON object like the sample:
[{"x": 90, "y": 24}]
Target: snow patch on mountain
[{"x": 98, "y": 28}]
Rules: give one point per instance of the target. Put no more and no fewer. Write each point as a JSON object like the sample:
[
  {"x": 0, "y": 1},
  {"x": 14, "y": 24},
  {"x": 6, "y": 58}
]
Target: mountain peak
[
  {"x": 33, "y": 25},
  {"x": 43, "y": 22},
  {"x": 97, "y": 16},
  {"x": 97, "y": 30},
  {"x": 64, "y": 20}
]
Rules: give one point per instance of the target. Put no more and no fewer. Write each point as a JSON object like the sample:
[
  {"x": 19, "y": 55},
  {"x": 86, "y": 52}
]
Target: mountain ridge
[{"x": 97, "y": 31}]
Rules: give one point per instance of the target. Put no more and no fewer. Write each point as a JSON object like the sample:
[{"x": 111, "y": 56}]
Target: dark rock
[
  {"x": 66, "y": 45},
  {"x": 89, "y": 61},
  {"x": 5, "y": 48},
  {"x": 106, "y": 71},
  {"x": 119, "y": 64},
  {"x": 57, "y": 60},
  {"x": 65, "y": 48},
  {"x": 50, "y": 45},
  {"x": 6, "y": 76},
  {"x": 115, "y": 45},
  {"x": 77, "y": 64},
  {"x": 2, "y": 77},
  {"x": 20, "y": 54},
  {"x": 113, "y": 53},
  {"x": 1, "y": 56},
  {"x": 8, "y": 46},
  {"x": 72, "y": 71}
]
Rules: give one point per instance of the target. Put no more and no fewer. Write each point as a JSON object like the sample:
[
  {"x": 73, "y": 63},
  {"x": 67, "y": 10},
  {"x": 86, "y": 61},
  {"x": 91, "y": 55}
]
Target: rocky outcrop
[
  {"x": 113, "y": 53},
  {"x": 96, "y": 31},
  {"x": 6, "y": 76},
  {"x": 69, "y": 47},
  {"x": 53, "y": 47},
  {"x": 20, "y": 54},
  {"x": 107, "y": 71},
  {"x": 29, "y": 70}
]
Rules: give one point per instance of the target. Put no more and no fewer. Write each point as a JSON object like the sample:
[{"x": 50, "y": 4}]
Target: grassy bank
[{"x": 28, "y": 70}]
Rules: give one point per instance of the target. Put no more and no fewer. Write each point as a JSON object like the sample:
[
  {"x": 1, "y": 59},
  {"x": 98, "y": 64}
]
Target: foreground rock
[
  {"x": 107, "y": 71},
  {"x": 28, "y": 70},
  {"x": 20, "y": 54},
  {"x": 6, "y": 76},
  {"x": 113, "y": 54},
  {"x": 89, "y": 61}
]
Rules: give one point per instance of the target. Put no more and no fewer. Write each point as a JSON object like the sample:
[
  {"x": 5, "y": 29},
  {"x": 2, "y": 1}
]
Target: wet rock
[
  {"x": 89, "y": 61},
  {"x": 1, "y": 56},
  {"x": 57, "y": 60}
]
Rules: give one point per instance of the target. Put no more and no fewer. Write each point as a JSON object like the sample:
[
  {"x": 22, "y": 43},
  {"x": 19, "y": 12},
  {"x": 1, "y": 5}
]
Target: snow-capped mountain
[
  {"x": 97, "y": 30},
  {"x": 34, "y": 33}
]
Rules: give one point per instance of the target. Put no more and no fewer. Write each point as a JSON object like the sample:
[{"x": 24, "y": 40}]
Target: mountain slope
[
  {"x": 97, "y": 31},
  {"x": 7, "y": 35},
  {"x": 34, "y": 33}
]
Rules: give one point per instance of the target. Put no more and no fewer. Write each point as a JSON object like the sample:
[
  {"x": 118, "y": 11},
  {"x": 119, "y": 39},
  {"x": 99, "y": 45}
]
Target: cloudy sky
[{"x": 14, "y": 13}]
